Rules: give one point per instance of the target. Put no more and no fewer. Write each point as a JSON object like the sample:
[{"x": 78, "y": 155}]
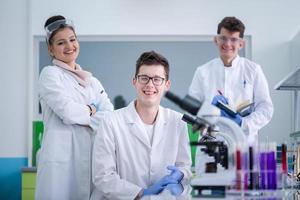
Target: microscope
[{"x": 216, "y": 157}]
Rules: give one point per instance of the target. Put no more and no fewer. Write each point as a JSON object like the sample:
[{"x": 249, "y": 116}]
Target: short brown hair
[
  {"x": 232, "y": 24},
  {"x": 152, "y": 58}
]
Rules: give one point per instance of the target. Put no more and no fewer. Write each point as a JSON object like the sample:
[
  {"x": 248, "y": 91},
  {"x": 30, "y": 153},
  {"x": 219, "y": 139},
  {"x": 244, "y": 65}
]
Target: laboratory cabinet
[{"x": 28, "y": 183}]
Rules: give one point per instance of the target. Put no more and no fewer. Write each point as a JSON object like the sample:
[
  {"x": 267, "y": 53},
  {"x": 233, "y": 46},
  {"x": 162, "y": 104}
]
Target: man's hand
[
  {"x": 158, "y": 187},
  {"x": 237, "y": 118},
  {"x": 219, "y": 98},
  {"x": 175, "y": 173}
]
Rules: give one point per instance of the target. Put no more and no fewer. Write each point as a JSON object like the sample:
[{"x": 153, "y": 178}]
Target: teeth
[
  {"x": 148, "y": 92},
  {"x": 69, "y": 51}
]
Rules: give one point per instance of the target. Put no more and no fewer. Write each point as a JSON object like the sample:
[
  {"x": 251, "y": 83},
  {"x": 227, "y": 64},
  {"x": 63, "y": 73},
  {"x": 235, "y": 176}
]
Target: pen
[{"x": 219, "y": 91}]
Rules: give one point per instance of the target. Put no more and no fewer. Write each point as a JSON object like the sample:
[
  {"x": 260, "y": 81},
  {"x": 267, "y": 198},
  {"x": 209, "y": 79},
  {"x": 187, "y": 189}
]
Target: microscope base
[{"x": 209, "y": 191}]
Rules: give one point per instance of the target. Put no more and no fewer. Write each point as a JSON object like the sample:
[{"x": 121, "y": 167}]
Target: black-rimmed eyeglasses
[{"x": 144, "y": 79}]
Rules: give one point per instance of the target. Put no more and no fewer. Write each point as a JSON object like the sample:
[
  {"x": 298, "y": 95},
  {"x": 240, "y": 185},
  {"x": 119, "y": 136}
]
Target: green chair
[
  {"x": 193, "y": 136},
  {"x": 37, "y": 129}
]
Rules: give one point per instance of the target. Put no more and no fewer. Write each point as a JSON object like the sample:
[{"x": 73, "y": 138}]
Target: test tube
[
  {"x": 238, "y": 168},
  {"x": 297, "y": 161},
  {"x": 271, "y": 167},
  {"x": 284, "y": 168},
  {"x": 251, "y": 165},
  {"x": 245, "y": 169},
  {"x": 263, "y": 167},
  {"x": 284, "y": 158}
]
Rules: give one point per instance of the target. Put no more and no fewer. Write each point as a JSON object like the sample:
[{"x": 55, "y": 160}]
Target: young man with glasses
[
  {"x": 143, "y": 148},
  {"x": 231, "y": 79}
]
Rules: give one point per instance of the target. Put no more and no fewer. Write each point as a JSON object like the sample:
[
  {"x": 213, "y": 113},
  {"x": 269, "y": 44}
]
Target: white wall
[
  {"x": 295, "y": 62},
  {"x": 295, "y": 47},
  {"x": 14, "y": 50},
  {"x": 272, "y": 25}
]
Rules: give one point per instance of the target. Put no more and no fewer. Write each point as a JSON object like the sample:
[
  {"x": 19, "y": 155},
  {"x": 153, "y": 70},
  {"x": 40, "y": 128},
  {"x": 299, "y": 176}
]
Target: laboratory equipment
[
  {"x": 225, "y": 163},
  {"x": 219, "y": 166},
  {"x": 295, "y": 173},
  {"x": 291, "y": 82}
]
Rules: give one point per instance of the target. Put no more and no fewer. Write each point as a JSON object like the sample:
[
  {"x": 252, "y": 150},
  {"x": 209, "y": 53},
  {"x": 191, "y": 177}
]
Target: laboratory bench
[
  {"x": 287, "y": 194},
  {"x": 29, "y": 181}
]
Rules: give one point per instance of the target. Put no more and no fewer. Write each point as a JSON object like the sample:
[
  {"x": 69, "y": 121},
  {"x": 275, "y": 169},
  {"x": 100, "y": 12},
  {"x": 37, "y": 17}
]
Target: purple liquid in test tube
[
  {"x": 245, "y": 169},
  {"x": 271, "y": 168},
  {"x": 263, "y": 169}
]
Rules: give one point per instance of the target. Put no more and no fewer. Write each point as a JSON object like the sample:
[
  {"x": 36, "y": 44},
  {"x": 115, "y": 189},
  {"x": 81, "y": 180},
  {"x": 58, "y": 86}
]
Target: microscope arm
[{"x": 232, "y": 130}]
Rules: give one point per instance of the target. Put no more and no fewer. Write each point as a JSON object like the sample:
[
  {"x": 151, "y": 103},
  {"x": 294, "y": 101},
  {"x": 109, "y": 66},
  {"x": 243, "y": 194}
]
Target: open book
[{"x": 244, "y": 108}]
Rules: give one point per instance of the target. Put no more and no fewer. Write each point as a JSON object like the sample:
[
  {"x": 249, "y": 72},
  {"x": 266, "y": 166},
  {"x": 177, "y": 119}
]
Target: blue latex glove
[
  {"x": 237, "y": 119},
  {"x": 175, "y": 189},
  {"x": 175, "y": 173},
  {"x": 157, "y": 187},
  {"x": 219, "y": 98},
  {"x": 96, "y": 105}
]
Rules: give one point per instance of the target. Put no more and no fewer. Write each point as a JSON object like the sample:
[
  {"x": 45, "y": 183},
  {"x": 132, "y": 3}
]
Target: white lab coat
[
  {"x": 64, "y": 165},
  {"x": 244, "y": 80},
  {"x": 124, "y": 161}
]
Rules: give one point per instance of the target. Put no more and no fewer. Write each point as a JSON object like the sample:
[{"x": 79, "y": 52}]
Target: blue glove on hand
[
  {"x": 237, "y": 118},
  {"x": 96, "y": 105},
  {"x": 219, "y": 98},
  {"x": 175, "y": 189},
  {"x": 157, "y": 187},
  {"x": 175, "y": 173}
]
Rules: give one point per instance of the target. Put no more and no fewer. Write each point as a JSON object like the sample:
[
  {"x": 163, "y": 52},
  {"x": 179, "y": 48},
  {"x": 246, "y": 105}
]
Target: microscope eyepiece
[{"x": 188, "y": 103}]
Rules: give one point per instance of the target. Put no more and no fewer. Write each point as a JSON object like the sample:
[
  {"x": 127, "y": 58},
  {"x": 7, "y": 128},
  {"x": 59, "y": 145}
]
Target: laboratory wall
[
  {"x": 271, "y": 24},
  {"x": 14, "y": 48}
]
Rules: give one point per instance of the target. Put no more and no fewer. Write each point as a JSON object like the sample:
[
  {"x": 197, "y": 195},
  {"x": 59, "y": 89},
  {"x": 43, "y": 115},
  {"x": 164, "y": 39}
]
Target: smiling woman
[
  {"x": 62, "y": 40},
  {"x": 65, "y": 47},
  {"x": 72, "y": 102}
]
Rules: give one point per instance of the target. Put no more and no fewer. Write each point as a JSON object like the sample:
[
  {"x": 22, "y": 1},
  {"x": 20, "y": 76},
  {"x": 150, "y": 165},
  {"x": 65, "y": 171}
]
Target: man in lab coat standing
[
  {"x": 143, "y": 148},
  {"x": 232, "y": 79}
]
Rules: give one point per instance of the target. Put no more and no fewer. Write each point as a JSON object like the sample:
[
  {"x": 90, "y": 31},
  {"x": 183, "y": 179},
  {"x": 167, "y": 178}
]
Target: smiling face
[
  {"x": 229, "y": 44},
  {"x": 65, "y": 46},
  {"x": 149, "y": 94}
]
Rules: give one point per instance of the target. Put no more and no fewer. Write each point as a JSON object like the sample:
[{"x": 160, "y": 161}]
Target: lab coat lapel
[
  {"x": 136, "y": 125},
  {"x": 160, "y": 127},
  {"x": 74, "y": 83},
  {"x": 80, "y": 89}
]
